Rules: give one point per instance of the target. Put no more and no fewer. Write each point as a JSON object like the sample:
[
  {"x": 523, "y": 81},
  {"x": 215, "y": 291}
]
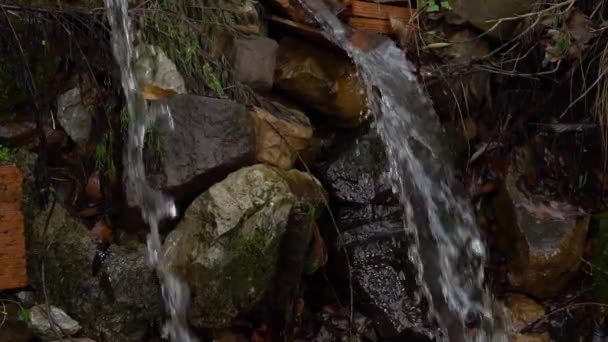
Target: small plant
[
  {"x": 7, "y": 155},
  {"x": 103, "y": 155},
  {"x": 24, "y": 313},
  {"x": 433, "y": 6}
]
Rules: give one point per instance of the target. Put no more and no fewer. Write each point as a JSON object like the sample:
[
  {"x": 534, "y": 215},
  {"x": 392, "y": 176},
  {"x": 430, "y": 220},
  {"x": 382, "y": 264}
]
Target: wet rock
[
  {"x": 280, "y": 135},
  {"x": 26, "y": 298},
  {"x": 157, "y": 73},
  {"x": 22, "y": 133},
  {"x": 324, "y": 81},
  {"x": 40, "y": 321},
  {"x": 525, "y": 311},
  {"x": 335, "y": 325},
  {"x": 481, "y": 13},
  {"x": 354, "y": 177},
  {"x": 254, "y": 62},
  {"x": 117, "y": 302},
  {"x": 73, "y": 116},
  {"x": 369, "y": 217},
  {"x": 17, "y": 133},
  {"x": 542, "y": 240},
  {"x": 211, "y": 138},
  {"x": 227, "y": 244},
  {"x": 295, "y": 11}
]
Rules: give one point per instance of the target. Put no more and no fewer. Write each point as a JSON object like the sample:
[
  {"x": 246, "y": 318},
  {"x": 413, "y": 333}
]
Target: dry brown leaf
[{"x": 153, "y": 93}]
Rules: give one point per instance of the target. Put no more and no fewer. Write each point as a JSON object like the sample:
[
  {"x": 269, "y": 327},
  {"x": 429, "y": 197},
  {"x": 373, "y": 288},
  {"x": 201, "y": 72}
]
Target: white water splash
[
  {"x": 154, "y": 205},
  {"x": 447, "y": 249}
]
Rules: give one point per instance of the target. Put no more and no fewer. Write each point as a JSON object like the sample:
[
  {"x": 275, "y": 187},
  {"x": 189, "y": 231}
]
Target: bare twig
[
  {"x": 558, "y": 310},
  {"x": 581, "y": 96},
  {"x": 49, "y": 313}
]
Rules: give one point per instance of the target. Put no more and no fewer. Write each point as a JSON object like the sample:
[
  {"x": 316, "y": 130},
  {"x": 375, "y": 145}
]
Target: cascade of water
[
  {"x": 447, "y": 248},
  {"x": 154, "y": 205}
]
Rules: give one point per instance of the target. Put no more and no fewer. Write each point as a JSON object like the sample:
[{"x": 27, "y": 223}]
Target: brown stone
[
  {"x": 280, "y": 137},
  {"x": 523, "y": 312},
  {"x": 13, "y": 273},
  {"x": 542, "y": 239},
  {"x": 322, "y": 80}
]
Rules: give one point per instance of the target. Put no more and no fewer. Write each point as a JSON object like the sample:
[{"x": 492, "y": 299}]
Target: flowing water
[
  {"x": 447, "y": 248},
  {"x": 154, "y": 205}
]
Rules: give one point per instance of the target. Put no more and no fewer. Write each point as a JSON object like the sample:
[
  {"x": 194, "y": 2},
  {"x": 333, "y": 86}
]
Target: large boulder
[
  {"x": 542, "y": 239},
  {"x": 117, "y": 303},
  {"x": 227, "y": 245},
  {"x": 319, "y": 79},
  {"x": 369, "y": 217},
  {"x": 211, "y": 138}
]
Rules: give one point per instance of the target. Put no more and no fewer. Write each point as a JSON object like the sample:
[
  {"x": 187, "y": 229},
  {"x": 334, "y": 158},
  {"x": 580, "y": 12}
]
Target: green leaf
[
  {"x": 25, "y": 314},
  {"x": 445, "y": 4},
  {"x": 432, "y": 7}
]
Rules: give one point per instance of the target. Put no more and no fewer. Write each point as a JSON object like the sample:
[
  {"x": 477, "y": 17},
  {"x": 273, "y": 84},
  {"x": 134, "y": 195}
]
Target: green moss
[
  {"x": 196, "y": 35},
  {"x": 103, "y": 155},
  {"x": 7, "y": 155}
]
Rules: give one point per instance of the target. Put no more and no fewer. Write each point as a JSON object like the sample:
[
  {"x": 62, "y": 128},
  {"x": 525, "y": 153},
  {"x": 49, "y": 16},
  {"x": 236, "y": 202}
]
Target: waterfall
[
  {"x": 154, "y": 205},
  {"x": 447, "y": 250}
]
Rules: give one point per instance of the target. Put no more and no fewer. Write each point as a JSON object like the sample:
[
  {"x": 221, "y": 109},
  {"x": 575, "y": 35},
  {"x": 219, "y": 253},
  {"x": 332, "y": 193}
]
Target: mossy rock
[
  {"x": 117, "y": 303},
  {"x": 227, "y": 245}
]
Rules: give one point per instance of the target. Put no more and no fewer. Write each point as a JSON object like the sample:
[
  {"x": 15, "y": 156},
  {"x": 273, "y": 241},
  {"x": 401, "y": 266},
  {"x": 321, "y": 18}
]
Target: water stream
[
  {"x": 447, "y": 249},
  {"x": 154, "y": 205}
]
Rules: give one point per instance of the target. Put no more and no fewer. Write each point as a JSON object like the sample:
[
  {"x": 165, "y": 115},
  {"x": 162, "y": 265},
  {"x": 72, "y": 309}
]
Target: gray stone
[
  {"x": 119, "y": 301},
  {"x": 26, "y": 298},
  {"x": 254, "y": 62},
  {"x": 227, "y": 245},
  {"x": 211, "y": 138},
  {"x": 40, "y": 321},
  {"x": 73, "y": 116},
  {"x": 154, "y": 68}
]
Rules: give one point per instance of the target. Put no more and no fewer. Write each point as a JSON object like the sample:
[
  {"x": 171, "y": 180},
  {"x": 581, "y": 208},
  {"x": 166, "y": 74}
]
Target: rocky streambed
[{"x": 287, "y": 227}]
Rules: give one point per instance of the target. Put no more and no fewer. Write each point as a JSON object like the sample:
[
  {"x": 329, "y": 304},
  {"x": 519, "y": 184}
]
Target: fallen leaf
[{"x": 153, "y": 93}]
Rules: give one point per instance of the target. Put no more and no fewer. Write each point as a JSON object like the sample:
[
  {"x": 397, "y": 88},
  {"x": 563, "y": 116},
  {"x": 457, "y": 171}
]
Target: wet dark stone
[
  {"x": 355, "y": 176},
  {"x": 370, "y": 219},
  {"x": 17, "y": 133},
  {"x": 211, "y": 138}
]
